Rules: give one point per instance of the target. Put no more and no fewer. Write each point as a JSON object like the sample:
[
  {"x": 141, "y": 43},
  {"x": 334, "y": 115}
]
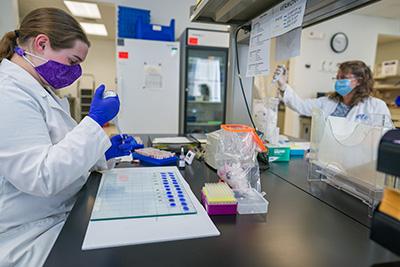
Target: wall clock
[{"x": 339, "y": 42}]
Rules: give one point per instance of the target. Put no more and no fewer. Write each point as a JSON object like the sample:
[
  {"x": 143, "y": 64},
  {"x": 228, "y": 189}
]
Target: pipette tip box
[{"x": 218, "y": 199}]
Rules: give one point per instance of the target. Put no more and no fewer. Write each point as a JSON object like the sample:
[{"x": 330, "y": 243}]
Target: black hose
[{"x": 246, "y": 27}]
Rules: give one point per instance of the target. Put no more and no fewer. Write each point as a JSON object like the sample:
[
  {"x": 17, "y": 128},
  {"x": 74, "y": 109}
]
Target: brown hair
[
  {"x": 366, "y": 81},
  {"x": 61, "y": 28}
]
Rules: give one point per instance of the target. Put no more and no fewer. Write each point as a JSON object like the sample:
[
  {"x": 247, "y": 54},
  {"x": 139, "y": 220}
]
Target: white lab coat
[
  {"x": 371, "y": 107},
  {"x": 45, "y": 159}
]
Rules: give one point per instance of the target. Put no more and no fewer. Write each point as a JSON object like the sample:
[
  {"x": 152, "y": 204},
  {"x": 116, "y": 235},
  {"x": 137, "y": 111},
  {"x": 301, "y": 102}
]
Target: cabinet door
[{"x": 206, "y": 89}]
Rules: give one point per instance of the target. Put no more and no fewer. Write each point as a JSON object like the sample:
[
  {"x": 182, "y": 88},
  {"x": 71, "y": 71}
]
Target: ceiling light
[
  {"x": 94, "y": 28},
  {"x": 82, "y": 9}
]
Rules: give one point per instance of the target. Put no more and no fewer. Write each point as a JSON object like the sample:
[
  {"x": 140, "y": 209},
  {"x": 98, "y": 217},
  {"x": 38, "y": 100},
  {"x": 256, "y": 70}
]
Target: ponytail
[{"x": 7, "y": 45}]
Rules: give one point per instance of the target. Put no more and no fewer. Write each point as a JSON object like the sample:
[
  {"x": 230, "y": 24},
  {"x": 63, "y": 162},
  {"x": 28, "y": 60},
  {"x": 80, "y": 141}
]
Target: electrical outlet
[{"x": 316, "y": 35}]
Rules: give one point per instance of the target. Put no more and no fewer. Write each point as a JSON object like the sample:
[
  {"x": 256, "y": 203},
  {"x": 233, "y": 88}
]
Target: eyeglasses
[{"x": 342, "y": 78}]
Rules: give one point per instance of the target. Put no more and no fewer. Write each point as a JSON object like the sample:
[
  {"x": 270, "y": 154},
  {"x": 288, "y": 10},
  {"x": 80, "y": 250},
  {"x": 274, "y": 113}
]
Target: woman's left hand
[{"x": 121, "y": 145}]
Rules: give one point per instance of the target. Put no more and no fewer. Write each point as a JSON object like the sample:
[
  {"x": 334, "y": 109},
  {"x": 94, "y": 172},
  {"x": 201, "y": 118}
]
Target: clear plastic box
[
  {"x": 253, "y": 202},
  {"x": 343, "y": 154}
]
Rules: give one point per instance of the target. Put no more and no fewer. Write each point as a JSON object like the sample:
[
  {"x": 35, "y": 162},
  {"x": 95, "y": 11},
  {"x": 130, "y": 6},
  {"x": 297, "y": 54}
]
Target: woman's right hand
[
  {"x": 103, "y": 110},
  {"x": 280, "y": 76}
]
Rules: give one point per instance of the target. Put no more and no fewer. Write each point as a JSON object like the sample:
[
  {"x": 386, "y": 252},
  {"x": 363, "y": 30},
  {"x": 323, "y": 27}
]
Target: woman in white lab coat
[
  {"x": 352, "y": 97},
  {"x": 45, "y": 156}
]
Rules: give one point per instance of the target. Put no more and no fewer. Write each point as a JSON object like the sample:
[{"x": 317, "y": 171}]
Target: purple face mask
[{"x": 56, "y": 74}]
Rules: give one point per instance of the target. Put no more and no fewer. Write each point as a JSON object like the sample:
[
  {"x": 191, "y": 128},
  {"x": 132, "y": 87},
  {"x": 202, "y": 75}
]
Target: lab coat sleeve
[
  {"x": 28, "y": 158},
  {"x": 103, "y": 164},
  {"x": 301, "y": 106}
]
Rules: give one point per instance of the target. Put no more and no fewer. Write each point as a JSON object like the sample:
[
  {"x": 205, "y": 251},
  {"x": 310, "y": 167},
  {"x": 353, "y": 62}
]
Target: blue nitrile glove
[
  {"x": 102, "y": 109},
  {"x": 120, "y": 146},
  {"x": 136, "y": 145}
]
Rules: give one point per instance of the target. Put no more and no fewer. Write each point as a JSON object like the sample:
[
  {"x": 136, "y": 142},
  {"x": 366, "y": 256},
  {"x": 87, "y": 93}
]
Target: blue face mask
[{"x": 342, "y": 87}]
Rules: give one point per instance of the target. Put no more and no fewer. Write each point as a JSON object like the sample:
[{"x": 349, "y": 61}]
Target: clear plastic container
[
  {"x": 343, "y": 153},
  {"x": 251, "y": 202}
]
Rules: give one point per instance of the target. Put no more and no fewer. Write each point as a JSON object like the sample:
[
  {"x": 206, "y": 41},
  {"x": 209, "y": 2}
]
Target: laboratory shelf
[
  {"x": 241, "y": 11},
  {"x": 378, "y": 78},
  {"x": 387, "y": 87}
]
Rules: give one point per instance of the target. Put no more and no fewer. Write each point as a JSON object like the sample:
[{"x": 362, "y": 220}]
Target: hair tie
[{"x": 16, "y": 33}]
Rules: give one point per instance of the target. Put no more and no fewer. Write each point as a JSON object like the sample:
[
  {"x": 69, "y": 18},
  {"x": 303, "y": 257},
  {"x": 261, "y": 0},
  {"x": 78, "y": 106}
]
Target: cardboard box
[
  {"x": 390, "y": 67},
  {"x": 278, "y": 153}
]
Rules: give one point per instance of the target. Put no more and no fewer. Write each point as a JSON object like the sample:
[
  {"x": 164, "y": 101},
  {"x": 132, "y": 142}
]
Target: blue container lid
[{"x": 153, "y": 161}]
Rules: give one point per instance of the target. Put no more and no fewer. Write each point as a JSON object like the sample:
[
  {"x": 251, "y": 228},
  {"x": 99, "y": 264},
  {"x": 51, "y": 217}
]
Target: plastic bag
[
  {"x": 236, "y": 157},
  {"x": 265, "y": 114}
]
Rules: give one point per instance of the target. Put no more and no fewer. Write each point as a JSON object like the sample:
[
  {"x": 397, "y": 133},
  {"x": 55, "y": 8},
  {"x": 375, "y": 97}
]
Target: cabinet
[
  {"x": 387, "y": 88},
  {"x": 387, "y": 73},
  {"x": 85, "y": 98}
]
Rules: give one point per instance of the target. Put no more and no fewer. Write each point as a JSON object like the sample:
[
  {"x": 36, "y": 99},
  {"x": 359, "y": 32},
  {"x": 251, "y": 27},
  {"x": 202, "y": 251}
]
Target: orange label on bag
[{"x": 240, "y": 128}]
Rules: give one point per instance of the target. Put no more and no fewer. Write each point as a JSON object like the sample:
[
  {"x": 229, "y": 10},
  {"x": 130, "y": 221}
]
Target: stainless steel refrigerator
[{"x": 204, "y": 65}]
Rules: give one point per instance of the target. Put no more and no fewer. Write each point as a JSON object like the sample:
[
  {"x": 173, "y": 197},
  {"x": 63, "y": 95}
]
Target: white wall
[
  {"x": 9, "y": 18},
  {"x": 362, "y": 32},
  {"x": 162, "y": 11},
  {"x": 101, "y": 62}
]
